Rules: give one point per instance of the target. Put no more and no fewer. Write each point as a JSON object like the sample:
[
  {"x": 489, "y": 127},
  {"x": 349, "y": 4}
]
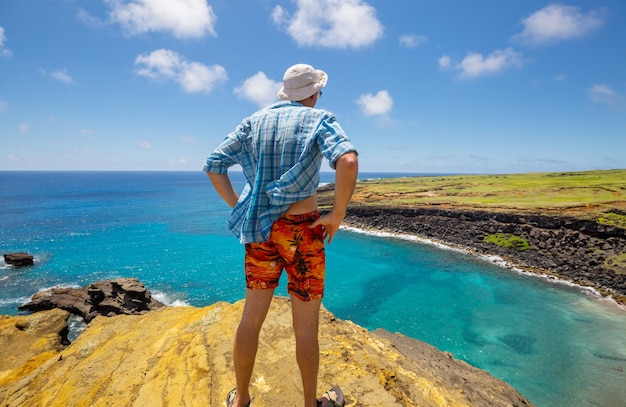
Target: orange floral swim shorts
[{"x": 297, "y": 249}]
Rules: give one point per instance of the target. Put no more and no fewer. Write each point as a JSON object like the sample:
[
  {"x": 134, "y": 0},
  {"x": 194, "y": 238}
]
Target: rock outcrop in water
[
  {"x": 18, "y": 259},
  {"x": 182, "y": 356},
  {"x": 126, "y": 296}
]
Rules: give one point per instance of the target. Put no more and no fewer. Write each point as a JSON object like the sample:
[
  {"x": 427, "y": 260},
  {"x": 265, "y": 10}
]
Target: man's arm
[
  {"x": 346, "y": 171},
  {"x": 223, "y": 186}
]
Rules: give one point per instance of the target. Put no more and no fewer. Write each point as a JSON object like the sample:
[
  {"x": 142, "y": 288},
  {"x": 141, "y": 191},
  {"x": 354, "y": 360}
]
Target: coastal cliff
[{"x": 175, "y": 356}]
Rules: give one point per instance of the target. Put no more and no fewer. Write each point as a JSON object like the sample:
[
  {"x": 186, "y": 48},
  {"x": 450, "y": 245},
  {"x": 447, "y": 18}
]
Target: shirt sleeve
[
  {"x": 228, "y": 153},
  {"x": 333, "y": 141}
]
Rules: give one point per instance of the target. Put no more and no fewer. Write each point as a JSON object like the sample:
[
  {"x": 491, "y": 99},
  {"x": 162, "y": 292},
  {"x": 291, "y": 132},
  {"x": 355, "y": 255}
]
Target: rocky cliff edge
[{"x": 182, "y": 356}]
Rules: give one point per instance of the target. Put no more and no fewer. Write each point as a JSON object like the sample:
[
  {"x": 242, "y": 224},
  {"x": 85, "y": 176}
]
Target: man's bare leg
[
  {"x": 247, "y": 340},
  {"x": 305, "y": 326}
]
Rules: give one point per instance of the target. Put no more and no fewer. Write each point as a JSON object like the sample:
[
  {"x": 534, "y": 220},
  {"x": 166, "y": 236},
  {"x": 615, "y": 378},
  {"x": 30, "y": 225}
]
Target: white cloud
[
  {"x": 444, "y": 62},
  {"x": 188, "y": 140},
  {"x": 81, "y": 150},
  {"x": 23, "y": 127},
  {"x": 560, "y": 78},
  {"x": 375, "y": 105},
  {"x": 178, "y": 161},
  {"x": 89, "y": 20},
  {"x": 475, "y": 64},
  {"x": 557, "y": 22},
  {"x": 62, "y": 76},
  {"x": 412, "y": 40},
  {"x": 259, "y": 89},
  {"x": 3, "y": 106},
  {"x": 193, "y": 77},
  {"x": 182, "y": 18},
  {"x": 3, "y": 51},
  {"x": 144, "y": 144},
  {"x": 604, "y": 94},
  {"x": 330, "y": 23}
]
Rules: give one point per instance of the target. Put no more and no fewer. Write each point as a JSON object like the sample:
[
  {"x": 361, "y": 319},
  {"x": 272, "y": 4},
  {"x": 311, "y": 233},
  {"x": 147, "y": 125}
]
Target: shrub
[
  {"x": 508, "y": 240},
  {"x": 617, "y": 264},
  {"x": 613, "y": 219}
]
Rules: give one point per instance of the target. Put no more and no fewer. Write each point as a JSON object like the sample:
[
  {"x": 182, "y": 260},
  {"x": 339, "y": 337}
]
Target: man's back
[{"x": 280, "y": 149}]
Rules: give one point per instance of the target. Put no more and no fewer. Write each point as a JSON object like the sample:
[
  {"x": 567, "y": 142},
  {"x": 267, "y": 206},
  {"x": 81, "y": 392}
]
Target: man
[{"x": 280, "y": 149}]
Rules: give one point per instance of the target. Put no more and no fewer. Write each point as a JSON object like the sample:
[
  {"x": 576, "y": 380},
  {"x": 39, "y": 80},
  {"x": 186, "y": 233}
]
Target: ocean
[{"x": 557, "y": 344}]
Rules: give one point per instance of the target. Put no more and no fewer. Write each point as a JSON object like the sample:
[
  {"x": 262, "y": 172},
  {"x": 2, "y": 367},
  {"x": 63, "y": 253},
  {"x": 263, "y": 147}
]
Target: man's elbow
[{"x": 348, "y": 161}]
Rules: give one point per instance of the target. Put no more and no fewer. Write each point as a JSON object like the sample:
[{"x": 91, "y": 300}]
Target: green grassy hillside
[{"x": 598, "y": 195}]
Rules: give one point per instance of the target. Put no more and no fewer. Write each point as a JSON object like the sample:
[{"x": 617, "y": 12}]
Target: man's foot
[
  {"x": 332, "y": 398},
  {"x": 232, "y": 396}
]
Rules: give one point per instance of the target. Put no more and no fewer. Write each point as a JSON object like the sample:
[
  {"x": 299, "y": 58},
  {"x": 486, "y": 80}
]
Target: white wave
[
  {"x": 14, "y": 301},
  {"x": 165, "y": 299},
  {"x": 75, "y": 325},
  {"x": 62, "y": 285}
]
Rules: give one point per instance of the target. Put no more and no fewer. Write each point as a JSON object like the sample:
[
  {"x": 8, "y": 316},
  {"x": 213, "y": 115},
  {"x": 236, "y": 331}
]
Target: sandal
[
  {"x": 335, "y": 398},
  {"x": 230, "y": 398}
]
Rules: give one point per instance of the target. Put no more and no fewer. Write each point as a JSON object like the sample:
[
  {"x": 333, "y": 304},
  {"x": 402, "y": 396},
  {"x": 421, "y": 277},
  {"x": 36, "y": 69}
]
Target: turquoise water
[{"x": 557, "y": 345}]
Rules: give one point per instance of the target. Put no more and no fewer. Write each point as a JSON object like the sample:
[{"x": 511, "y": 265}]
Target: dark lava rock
[
  {"x": 18, "y": 259},
  {"x": 126, "y": 296}
]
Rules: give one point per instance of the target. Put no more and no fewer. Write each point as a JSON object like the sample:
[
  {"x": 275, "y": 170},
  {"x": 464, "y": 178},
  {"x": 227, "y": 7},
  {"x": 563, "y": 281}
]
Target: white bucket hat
[{"x": 301, "y": 81}]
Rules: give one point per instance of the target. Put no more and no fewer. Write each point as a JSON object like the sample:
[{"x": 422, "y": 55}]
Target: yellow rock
[
  {"x": 182, "y": 356},
  {"x": 26, "y": 342}
]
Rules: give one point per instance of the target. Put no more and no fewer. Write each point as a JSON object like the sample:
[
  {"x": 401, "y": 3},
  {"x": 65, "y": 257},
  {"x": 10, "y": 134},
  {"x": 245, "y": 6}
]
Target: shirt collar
[{"x": 283, "y": 103}]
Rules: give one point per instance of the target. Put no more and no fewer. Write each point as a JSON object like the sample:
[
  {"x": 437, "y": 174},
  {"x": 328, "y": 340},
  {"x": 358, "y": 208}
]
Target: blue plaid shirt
[{"x": 280, "y": 149}]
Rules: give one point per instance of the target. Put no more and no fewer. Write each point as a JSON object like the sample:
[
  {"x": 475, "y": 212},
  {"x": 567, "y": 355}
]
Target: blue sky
[{"x": 450, "y": 86}]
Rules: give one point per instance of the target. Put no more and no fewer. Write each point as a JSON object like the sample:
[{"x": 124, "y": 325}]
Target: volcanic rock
[
  {"x": 126, "y": 296},
  {"x": 18, "y": 259}
]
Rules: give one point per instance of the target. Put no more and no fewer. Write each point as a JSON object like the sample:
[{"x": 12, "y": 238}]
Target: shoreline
[{"x": 614, "y": 299}]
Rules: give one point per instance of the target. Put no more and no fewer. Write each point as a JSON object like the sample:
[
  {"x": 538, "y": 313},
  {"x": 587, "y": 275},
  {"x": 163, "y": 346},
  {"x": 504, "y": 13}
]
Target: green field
[{"x": 599, "y": 195}]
